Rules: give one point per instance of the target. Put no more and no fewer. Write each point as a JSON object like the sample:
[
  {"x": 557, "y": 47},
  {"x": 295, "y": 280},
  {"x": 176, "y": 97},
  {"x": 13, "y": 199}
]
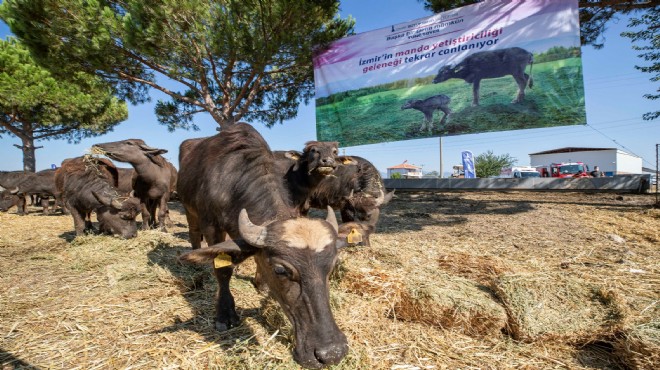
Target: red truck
[{"x": 563, "y": 170}]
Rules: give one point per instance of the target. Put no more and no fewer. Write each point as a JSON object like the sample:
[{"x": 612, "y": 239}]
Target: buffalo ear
[
  {"x": 295, "y": 156},
  {"x": 151, "y": 150},
  {"x": 205, "y": 255}
]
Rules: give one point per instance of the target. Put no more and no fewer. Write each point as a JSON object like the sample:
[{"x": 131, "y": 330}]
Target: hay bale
[
  {"x": 639, "y": 347},
  {"x": 555, "y": 306},
  {"x": 452, "y": 303}
]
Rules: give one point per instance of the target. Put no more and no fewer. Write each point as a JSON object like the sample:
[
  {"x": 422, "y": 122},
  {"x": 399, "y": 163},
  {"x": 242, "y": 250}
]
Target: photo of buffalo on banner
[{"x": 492, "y": 66}]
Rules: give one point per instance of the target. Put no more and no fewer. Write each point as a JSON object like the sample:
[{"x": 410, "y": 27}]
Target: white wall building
[
  {"x": 407, "y": 171},
  {"x": 611, "y": 161}
]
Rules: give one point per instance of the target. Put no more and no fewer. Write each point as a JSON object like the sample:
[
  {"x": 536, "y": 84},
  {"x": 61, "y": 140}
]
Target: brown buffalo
[
  {"x": 89, "y": 184},
  {"x": 153, "y": 179}
]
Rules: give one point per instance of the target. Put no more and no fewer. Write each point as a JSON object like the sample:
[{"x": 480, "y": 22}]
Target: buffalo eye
[{"x": 280, "y": 270}]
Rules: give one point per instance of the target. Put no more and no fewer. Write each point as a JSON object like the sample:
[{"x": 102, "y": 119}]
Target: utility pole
[{"x": 440, "y": 175}]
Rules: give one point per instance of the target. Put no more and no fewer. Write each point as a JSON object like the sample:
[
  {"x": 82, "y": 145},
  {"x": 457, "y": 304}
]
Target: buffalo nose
[
  {"x": 327, "y": 161},
  {"x": 332, "y": 354}
]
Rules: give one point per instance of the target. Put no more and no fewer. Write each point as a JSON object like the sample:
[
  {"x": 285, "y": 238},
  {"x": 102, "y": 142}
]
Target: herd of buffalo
[{"x": 242, "y": 200}]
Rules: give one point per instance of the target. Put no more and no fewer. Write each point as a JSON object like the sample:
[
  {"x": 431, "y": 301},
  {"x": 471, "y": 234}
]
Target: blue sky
[{"x": 614, "y": 92}]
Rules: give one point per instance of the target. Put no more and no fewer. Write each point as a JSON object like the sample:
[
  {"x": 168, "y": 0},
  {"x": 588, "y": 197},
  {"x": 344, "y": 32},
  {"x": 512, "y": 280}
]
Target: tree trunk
[{"x": 29, "y": 158}]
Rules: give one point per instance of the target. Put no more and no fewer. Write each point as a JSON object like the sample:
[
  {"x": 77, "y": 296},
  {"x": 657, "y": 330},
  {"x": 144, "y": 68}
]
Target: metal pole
[
  {"x": 657, "y": 159},
  {"x": 440, "y": 157}
]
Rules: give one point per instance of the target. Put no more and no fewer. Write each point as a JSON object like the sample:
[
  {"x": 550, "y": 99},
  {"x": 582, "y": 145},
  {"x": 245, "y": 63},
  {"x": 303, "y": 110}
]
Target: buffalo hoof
[{"x": 224, "y": 326}]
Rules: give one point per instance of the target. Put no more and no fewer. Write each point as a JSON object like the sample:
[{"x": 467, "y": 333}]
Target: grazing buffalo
[
  {"x": 428, "y": 106},
  {"x": 9, "y": 180},
  {"x": 491, "y": 64},
  {"x": 40, "y": 184},
  {"x": 88, "y": 185},
  {"x": 228, "y": 188},
  {"x": 10, "y": 198},
  {"x": 153, "y": 179}
]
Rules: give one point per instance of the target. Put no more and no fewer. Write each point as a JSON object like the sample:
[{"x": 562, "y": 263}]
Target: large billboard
[{"x": 492, "y": 66}]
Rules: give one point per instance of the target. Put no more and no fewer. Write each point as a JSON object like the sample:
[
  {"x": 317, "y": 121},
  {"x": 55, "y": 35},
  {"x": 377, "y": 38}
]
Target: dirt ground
[{"x": 454, "y": 280}]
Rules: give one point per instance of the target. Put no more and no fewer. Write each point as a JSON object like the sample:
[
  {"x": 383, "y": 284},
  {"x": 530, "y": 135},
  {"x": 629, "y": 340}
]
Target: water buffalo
[
  {"x": 88, "y": 185},
  {"x": 228, "y": 188},
  {"x": 9, "y": 180},
  {"x": 304, "y": 171},
  {"x": 40, "y": 184},
  {"x": 428, "y": 106},
  {"x": 491, "y": 64},
  {"x": 153, "y": 179},
  {"x": 358, "y": 191},
  {"x": 10, "y": 198}
]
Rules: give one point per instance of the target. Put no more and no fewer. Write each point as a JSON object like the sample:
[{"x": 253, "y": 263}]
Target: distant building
[
  {"x": 407, "y": 171},
  {"x": 611, "y": 161}
]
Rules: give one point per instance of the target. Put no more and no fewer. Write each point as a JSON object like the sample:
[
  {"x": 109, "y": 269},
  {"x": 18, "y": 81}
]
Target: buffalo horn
[
  {"x": 14, "y": 190},
  {"x": 253, "y": 234},
  {"x": 116, "y": 203},
  {"x": 332, "y": 219}
]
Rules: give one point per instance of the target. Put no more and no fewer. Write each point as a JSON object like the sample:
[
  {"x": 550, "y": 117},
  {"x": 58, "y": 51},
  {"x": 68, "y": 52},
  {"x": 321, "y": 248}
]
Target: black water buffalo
[
  {"x": 428, "y": 106},
  {"x": 304, "y": 171},
  {"x": 40, "y": 184},
  {"x": 10, "y": 198},
  {"x": 9, "y": 180},
  {"x": 88, "y": 185},
  {"x": 491, "y": 64},
  {"x": 228, "y": 187},
  {"x": 357, "y": 191},
  {"x": 153, "y": 180}
]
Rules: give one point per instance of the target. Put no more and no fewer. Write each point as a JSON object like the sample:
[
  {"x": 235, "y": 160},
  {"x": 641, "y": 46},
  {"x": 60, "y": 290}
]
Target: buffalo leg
[
  {"x": 428, "y": 116},
  {"x": 194, "y": 232},
  {"x": 146, "y": 216},
  {"x": 22, "y": 206},
  {"x": 447, "y": 112},
  {"x": 475, "y": 92},
  {"x": 163, "y": 214},
  {"x": 44, "y": 204},
  {"x": 79, "y": 222},
  {"x": 225, "y": 308},
  {"x": 522, "y": 82}
]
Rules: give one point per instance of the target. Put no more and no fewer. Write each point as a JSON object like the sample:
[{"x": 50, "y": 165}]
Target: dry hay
[
  {"x": 451, "y": 303},
  {"x": 97, "y": 302},
  {"x": 559, "y": 307},
  {"x": 639, "y": 347}
]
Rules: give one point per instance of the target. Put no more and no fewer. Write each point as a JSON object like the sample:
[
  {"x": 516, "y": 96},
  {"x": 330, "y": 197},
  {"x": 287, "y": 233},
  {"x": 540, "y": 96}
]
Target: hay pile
[
  {"x": 451, "y": 303},
  {"x": 445, "y": 273},
  {"x": 559, "y": 307},
  {"x": 639, "y": 346}
]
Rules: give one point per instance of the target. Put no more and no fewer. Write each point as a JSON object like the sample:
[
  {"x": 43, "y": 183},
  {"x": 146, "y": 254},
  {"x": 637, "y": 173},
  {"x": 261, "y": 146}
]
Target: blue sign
[
  {"x": 468, "y": 164},
  {"x": 53, "y": 166}
]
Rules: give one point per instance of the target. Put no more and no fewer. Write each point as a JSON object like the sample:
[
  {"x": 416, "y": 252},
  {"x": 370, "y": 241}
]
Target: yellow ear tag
[
  {"x": 354, "y": 237},
  {"x": 222, "y": 260},
  {"x": 347, "y": 161}
]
